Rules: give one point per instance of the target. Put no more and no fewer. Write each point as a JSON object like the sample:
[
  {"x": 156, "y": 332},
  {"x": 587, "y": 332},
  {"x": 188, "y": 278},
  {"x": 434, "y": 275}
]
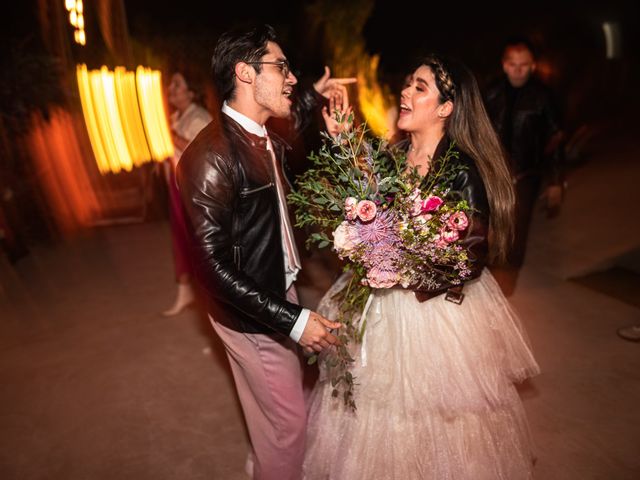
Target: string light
[
  {"x": 76, "y": 19},
  {"x": 125, "y": 117}
]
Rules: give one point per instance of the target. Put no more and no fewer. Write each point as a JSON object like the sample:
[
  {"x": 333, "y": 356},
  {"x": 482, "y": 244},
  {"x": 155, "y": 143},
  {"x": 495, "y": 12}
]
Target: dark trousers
[{"x": 527, "y": 190}]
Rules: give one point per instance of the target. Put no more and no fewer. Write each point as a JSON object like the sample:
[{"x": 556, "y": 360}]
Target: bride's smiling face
[{"x": 419, "y": 101}]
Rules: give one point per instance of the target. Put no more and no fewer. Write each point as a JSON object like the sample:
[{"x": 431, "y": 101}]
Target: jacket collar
[
  {"x": 253, "y": 131},
  {"x": 245, "y": 122}
]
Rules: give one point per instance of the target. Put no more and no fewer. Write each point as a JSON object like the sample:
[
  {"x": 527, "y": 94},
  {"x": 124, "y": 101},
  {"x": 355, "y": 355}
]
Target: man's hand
[
  {"x": 325, "y": 84},
  {"x": 316, "y": 336},
  {"x": 553, "y": 199}
]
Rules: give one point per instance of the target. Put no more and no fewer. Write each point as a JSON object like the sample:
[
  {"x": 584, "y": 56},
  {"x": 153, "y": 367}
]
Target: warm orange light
[
  {"x": 375, "y": 101},
  {"x": 76, "y": 19},
  {"x": 63, "y": 177},
  {"x": 351, "y": 59},
  {"x": 125, "y": 84},
  {"x": 149, "y": 88},
  {"x": 110, "y": 118},
  {"x": 125, "y": 118},
  {"x": 91, "y": 119}
]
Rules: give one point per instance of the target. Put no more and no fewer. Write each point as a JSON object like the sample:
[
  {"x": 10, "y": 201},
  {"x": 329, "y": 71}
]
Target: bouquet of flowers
[{"x": 392, "y": 226}]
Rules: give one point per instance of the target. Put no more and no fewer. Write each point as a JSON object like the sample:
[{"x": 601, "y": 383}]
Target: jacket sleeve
[
  {"x": 208, "y": 192},
  {"x": 553, "y": 148},
  {"x": 306, "y": 108},
  {"x": 469, "y": 186}
]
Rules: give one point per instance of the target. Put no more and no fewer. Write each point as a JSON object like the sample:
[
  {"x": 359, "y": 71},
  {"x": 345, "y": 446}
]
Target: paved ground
[{"x": 95, "y": 384}]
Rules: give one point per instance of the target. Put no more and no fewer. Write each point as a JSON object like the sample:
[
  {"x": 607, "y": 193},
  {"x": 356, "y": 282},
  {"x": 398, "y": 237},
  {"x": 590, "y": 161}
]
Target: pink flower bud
[
  {"x": 350, "y": 208},
  {"x": 431, "y": 203}
]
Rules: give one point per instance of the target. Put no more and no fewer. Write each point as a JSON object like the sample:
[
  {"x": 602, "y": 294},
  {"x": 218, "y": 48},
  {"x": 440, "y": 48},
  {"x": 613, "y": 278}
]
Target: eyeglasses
[{"x": 283, "y": 65}]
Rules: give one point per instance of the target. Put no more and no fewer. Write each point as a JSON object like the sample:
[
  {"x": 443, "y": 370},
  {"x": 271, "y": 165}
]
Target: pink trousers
[{"x": 268, "y": 375}]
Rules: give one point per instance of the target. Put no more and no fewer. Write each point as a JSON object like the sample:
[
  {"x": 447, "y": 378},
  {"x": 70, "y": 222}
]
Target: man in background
[{"x": 526, "y": 118}]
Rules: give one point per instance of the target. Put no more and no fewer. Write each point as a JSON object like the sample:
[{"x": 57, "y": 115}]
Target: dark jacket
[
  {"x": 526, "y": 118},
  {"x": 227, "y": 187},
  {"x": 467, "y": 185}
]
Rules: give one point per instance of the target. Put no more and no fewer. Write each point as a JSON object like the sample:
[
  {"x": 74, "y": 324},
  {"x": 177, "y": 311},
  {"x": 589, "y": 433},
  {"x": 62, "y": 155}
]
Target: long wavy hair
[{"x": 470, "y": 127}]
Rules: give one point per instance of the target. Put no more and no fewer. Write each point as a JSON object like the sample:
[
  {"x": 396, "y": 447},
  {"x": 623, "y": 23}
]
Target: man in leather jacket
[
  {"x": 525, "y": 117},
  {"x": 233, "y": 188}
]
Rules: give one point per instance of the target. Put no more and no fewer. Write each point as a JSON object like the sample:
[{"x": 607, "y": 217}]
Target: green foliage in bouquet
[{"x": 353, "y": 164}]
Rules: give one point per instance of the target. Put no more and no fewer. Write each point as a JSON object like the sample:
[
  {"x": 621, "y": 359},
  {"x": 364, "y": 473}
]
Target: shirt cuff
[{"x": 298, "y": 327}]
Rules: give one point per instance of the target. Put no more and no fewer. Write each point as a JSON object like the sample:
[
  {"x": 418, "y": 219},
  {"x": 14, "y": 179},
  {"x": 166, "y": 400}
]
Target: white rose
[{"x": 343, "y": 238}]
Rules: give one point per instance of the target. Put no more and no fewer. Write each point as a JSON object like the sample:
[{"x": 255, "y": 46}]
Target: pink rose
[
  {"x": 449, "y": 236},
  {"x": 366, "y": 210},
  {"x": 431, "y": 203},
  {"x": 458, "y": 221},
  {"x": 350, "y": 208}
]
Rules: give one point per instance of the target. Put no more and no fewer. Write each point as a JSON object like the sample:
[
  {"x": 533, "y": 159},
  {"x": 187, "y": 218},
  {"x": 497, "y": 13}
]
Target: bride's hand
[{"x": 337, "y": 117}]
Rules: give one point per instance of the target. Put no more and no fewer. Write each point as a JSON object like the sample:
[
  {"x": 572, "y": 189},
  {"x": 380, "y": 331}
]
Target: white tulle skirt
[{"x": 435, "y": 395}]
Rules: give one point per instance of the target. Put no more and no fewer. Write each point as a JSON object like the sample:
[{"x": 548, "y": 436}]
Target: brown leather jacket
[{"x": 226, "y": 183}]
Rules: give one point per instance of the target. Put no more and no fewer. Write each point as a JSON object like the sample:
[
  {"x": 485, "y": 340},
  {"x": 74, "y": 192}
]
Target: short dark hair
[
  {"x": 519, "y": 41},
  {"x": 238, "y": 46}
]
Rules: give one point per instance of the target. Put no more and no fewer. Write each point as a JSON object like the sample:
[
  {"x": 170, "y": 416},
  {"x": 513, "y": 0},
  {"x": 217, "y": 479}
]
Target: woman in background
[{"x": 188, "y": 118}]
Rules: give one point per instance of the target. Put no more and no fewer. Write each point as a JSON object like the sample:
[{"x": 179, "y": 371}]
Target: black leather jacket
[
  {"x": 534, "y": 119},
  {"x": 468, "y": 185},
  {"x": 227, "y": 188}
]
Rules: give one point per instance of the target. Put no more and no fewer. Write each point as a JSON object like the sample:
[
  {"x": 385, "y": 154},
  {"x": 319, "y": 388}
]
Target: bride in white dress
[{"x": 435, "y": 379}]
